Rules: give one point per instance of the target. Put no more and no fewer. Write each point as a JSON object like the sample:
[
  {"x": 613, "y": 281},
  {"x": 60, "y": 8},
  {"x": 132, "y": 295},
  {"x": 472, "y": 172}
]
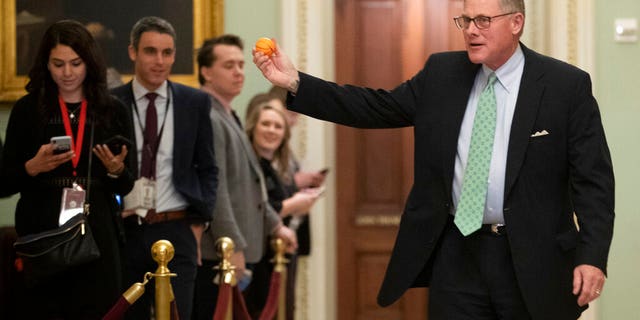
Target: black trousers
[
  {"x": 138, "y": 261},
  {"x": 473, "y": 278},
  {"x": 206, "y": 293}
]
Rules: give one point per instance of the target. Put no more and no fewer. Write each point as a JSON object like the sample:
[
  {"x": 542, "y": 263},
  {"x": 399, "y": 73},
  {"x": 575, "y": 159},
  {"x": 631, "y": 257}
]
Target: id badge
[
  {"x": 72, "y": 203},
  {"x": 143, "y": 195}
]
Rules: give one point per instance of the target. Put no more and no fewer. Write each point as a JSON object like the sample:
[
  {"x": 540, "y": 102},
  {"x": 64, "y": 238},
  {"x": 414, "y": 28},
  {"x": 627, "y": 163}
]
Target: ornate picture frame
[{"x": 207, "y": 21}]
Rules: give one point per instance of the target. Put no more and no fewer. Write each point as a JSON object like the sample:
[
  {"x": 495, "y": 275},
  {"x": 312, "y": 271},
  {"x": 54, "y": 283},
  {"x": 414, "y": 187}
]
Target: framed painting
[{"x": 25, "y": 21}]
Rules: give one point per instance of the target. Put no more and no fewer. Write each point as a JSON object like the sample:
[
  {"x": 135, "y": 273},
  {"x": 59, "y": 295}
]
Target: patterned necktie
[
  {"x": 149, "y": 146},
  {"x": 475, "y": 182}
]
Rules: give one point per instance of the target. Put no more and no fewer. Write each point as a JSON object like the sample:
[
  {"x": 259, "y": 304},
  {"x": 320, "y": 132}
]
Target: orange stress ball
[{"x": 266, "y": 46}]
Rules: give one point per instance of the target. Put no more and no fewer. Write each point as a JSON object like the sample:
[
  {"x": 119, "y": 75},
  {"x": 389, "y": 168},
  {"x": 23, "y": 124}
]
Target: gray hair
[
  {"x": 512, "y": 5},
  {"x": 150, "y": 24}
]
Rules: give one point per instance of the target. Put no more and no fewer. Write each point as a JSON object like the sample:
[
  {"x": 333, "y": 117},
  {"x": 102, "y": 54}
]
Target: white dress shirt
[
  {"x": 167, "y": 197},
  {"x": 506, "y": 90}
]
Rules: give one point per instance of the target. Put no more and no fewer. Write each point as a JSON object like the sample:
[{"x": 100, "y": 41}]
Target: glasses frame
[{"x": 460, "y": 21}]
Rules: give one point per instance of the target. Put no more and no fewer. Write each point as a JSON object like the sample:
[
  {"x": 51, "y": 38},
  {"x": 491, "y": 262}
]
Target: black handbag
[
  {"x": 53, "y": 251},
  {"x": 50, "y": 252}
]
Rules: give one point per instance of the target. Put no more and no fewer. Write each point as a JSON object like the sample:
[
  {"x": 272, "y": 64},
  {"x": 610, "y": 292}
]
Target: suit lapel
[
  {"x": 246, "y": 145},
  {"x": 240, "y": 135},
  {"x": 452, "y": 120},
  {"x": 524, "y": 117},
  {"x": 180, "y": 123}
]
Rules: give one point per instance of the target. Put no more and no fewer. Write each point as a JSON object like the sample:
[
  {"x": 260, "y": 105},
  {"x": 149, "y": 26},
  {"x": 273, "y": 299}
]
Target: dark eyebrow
[{"x": 72, "y": 60}]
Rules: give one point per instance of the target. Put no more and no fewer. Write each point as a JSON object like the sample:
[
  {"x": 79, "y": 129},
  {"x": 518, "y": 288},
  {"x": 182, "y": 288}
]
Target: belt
[
  {"x": 496, "y": 229},
  {"x": 67, "y": 182},
  {"x": 154, "y": 217}
]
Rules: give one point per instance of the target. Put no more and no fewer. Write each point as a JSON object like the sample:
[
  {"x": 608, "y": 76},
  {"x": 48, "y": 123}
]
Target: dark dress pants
[
  {"x": 206, "y": 293},
  {"x": 138, "y": 261},
  {"x": 473, "y": 278}
]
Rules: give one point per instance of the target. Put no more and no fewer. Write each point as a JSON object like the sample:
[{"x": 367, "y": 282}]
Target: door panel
[{"x": 379, "y": 44}]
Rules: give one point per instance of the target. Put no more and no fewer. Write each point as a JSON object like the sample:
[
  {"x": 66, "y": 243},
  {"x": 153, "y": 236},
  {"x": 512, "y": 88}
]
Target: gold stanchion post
[
  {"x": 280, "y": 265},
  {"x": 224, "y": 249},
  {"x": 162, "y": 252}
]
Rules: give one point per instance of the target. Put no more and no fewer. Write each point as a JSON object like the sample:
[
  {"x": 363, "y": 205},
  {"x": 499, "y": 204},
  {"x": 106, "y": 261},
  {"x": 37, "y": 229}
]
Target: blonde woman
[{"x": 269, "y": 133}]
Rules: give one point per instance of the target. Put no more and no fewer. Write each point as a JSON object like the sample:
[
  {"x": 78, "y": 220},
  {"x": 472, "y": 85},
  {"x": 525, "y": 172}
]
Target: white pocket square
[{"x": 540, "y": 133}]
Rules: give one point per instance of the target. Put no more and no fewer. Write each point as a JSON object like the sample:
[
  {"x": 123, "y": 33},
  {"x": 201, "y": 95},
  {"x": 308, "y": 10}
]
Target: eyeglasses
[{"x": 481, "y": 22}]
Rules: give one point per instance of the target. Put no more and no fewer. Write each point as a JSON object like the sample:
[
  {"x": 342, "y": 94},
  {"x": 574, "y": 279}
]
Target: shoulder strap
[{"x": 86, "y": 202}]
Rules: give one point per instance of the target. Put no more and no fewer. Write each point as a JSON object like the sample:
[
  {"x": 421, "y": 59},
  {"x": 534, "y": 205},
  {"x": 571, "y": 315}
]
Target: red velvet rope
[
  {"x": 240, "y": 311},
  {"x": 117, "y": 311},
  {"x": 174, "y": 310},
  {"x": 224, "y": 293},
  {"x": 271, "y": 306}
]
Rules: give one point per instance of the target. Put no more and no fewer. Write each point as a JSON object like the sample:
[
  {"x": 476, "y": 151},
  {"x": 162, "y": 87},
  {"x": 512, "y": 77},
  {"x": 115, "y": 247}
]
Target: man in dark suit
[
  {"x": 242, "y": 211},
  {"x": 526, "y": 258},
  {"x": 177, "y": 155}
]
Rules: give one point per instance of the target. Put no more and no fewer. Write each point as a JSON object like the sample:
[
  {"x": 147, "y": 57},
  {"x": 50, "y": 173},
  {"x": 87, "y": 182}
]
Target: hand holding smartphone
[{"x": 61, "y": 144}]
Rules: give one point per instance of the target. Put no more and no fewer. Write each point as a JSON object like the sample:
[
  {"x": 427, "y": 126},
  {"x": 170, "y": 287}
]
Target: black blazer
[
  {"x": 194, "y": 168},
  {"x": 548, "y": 178}
]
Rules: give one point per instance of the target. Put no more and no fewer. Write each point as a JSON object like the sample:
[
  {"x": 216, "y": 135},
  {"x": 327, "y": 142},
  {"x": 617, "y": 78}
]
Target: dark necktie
[{"x": 150, "y": 145}]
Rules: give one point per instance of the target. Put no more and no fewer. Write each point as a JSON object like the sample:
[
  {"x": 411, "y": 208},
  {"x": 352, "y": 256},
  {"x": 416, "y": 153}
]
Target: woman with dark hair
[{"x": 67, "y": 96}]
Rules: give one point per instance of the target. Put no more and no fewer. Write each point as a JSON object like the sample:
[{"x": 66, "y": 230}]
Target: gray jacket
[{"x": 242, "y": 211}]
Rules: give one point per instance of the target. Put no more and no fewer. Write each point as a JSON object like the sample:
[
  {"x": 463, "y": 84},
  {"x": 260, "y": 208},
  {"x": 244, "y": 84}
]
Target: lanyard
[{"x": 76, "y": 143}]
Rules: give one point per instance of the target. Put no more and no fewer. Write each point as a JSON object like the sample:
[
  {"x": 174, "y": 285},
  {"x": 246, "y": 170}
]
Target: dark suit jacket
[
  {"x": 548, "y": 178},
  {"x": 194, "y": 168}
]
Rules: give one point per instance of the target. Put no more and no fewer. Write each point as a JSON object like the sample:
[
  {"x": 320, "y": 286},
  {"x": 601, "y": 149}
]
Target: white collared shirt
[
  {"x": 506, "y": 90},
  {"x": 167, "y": 197}
]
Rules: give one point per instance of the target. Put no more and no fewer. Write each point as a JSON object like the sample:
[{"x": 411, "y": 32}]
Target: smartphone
[
  {"x": 61, "y": 144},
  {"x": 116, "y": 142}
]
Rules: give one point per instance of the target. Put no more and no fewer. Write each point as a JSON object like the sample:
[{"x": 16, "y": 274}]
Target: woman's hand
[
  {"x": 113, "y": 163},
  {"x": 309, "y": 179},
  {"x": 45, "y": 160},
  {"x": 300, "y": 203}
]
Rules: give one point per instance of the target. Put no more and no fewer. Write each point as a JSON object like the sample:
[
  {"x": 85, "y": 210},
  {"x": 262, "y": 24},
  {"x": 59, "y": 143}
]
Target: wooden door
[{"x": 379, "y": 44}]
